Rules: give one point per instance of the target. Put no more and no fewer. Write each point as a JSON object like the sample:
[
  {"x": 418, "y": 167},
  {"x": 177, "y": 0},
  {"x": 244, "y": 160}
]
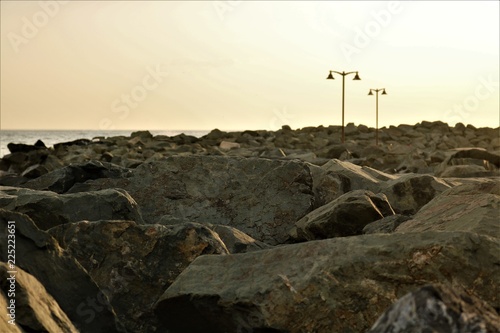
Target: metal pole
[
  {"x": 376, "y": 131},
  {"x": 343, "y": 95}
]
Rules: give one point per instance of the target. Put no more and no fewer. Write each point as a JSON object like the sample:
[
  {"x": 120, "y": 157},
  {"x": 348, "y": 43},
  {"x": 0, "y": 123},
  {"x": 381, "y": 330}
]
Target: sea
[{"x": 50, "y": 137}]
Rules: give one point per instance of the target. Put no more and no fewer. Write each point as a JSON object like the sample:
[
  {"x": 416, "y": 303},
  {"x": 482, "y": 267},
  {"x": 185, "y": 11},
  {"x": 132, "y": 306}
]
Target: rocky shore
[{"x": 255, "y": 231}]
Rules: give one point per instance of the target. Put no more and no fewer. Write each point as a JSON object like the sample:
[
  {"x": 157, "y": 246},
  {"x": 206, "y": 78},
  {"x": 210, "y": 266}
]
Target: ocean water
[{"x": 52, "y": 137}]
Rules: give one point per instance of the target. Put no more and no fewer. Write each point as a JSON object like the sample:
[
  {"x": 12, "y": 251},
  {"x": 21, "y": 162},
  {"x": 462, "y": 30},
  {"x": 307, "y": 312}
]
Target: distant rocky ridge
[{"x": 258, "y": 231}]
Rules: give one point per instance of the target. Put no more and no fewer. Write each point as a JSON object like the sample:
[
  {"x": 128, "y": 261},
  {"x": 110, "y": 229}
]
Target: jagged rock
[
  {"x": 35, "y": 310},
  {"x": 237, "y": 241},
  {"x": 78, "y": 142},
  {"x": 227, "y": 145},
  {"x": 385, "y": 225},
  {"x": 48, "y": 209},
  {"x": 261, "y": 197},
  {"x": 410, "y": 192},
  {"x": 344, "y": 216},
  {"x": 356, "y": 177},
  {"x": 61, "y": 275},
  {"x": 333, "y": 285},
  {"x": 24, "y": 148},
  {"x": 470, "y": 207},
  {"x": 438, "y": 308},
  {"x": 466, "y": 155},
  {"x": 61, "y": 180},
  {"x": 133, "y": 264}
]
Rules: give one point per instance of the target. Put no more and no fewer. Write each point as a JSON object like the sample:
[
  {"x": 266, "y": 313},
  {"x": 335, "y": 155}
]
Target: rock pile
[{"x": 256, "y": 231}]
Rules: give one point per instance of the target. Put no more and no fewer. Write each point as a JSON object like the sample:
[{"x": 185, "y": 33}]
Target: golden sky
[{"x": 195, "y": 65}]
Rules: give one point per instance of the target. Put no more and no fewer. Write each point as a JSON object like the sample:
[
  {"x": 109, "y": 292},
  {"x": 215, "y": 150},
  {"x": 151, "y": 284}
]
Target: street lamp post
[
  {"x": 376, "y": 103},
  {"x": 330, "y": 77}
]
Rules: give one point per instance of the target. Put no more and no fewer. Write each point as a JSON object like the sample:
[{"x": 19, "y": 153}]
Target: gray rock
[
  {"x": 385, "y": 225},
  {"x": 237, "y": 241},
  {"x": 408, "y": 193},
  {"x": 334, "y": 285},
  {"x": 345, "y": 216},
  {"x": 35, "y": 310},
  {"x": 61, "y": 180},
  {"x": 134, "y": 264},
  {"x": 470, "y": 207},
  {"x": 468, "y": 156},
  {"x": 61, "y": 275},
  {"x": 49, "y": 209},
  {"x": 261, "y": 197},
  {"x": 355, "y": 177},
  {"x": 438, "y": 308}
]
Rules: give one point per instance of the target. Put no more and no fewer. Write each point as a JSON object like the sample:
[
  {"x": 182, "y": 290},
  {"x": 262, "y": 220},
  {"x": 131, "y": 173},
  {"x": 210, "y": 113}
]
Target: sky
[{"x": 235, "y": 65}]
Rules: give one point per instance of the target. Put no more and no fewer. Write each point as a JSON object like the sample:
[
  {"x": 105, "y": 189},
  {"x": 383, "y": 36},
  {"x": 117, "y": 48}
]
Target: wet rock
[
  {"x": 408, "y": 193},
  {"x": 333, "y": 285},
  {"x": 261, "y": 197},
  {"x": 49, "y": 209},
  {"x": 35, "y": 309},
  {"x": 438, "y": 308},
  {"x": 133, "y": 264},
  {"x": 470, "y": 207},
  {"x": 61, "y": 275},
  {"x": 344, "y": 216}
]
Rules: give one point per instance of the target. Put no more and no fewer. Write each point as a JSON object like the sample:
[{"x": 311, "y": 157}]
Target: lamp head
[
  {"x": 330, "y": 76},
  {"x": 370, "y": 93},
  {"x": 383, "y": 92},
  {"x": 356, "y": 77}
]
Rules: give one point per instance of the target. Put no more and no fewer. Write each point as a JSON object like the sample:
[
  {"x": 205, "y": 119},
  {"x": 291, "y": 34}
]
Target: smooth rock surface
[
  {"x": 333, "y": 285},
  {"x": 473, "y": 207}
]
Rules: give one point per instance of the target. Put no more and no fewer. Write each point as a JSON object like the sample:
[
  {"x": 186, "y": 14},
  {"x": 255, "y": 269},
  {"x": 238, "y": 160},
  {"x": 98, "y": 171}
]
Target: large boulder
[
  {"x": 438, "y": 308},
  {"x": 49, "y": 209},
  {"x": 345, "y": 216},
  {"x": 334, "y": 285},
  {"x": 410, "y": 192},
  {"x": 62, "y": 276},
  {"x": 134, "y": 264},
  {"x": 470, "y": 207},
  {"x": 34, "y": 310},
  {"x": 261, "y": 197}
]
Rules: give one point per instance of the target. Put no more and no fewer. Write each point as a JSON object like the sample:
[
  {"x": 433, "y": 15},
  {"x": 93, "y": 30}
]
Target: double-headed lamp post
[
  {"x": 376, "y": 103},
  {"x": 330, "y": 77}
]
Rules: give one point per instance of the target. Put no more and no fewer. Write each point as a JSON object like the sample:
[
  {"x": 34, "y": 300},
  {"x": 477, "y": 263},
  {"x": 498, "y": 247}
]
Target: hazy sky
[{"x": 246, "y": 65}]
